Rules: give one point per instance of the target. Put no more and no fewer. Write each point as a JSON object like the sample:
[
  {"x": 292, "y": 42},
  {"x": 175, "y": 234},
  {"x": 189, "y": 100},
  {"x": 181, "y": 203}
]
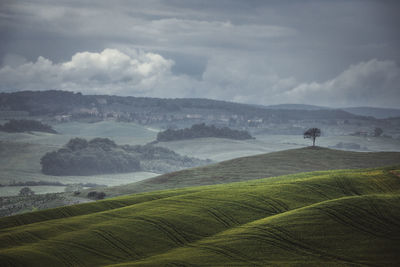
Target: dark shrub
[
  {"x": 76, "y": 144},
  {"x": 202, "y": 130},
  {"x": 96, "y": 195},
  {"x": 80, "y": 157},
  {"x": 15, "y": 126}
]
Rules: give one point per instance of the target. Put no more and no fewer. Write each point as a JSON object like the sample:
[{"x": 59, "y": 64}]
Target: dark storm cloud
[{"x": 261, "y": 52}]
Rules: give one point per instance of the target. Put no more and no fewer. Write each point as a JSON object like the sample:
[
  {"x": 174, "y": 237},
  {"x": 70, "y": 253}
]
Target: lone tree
[{"x": 312, "y": 133}]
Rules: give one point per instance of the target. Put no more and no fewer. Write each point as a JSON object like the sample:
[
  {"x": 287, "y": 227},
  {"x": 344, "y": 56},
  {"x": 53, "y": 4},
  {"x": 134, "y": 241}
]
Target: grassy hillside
[
  {"x": 348, "y": 217},
  {"x": 219, "y": 149},
  {"x": 259, "y": 166},
  {"x": 349, "y": 231}
]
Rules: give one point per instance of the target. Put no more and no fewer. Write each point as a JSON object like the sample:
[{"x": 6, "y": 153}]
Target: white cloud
[
  {"x": 110, "y": 71},
  {"x": 371, "y": 83},
  {"x": 246, "y": 79}
]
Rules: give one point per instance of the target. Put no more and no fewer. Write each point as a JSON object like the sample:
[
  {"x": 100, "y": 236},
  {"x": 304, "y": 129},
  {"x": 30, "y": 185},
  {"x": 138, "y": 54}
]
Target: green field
[
  {"x": 20, "y": 153},
  {"x": 259, "y": 166},
  {"x": 120, "y": 132},
  {"x": 344, "y": 217},
  {"x": 7, "y": 191},
  {"x": 219, "y": 149},
  {"x": 20, "y": 162}
]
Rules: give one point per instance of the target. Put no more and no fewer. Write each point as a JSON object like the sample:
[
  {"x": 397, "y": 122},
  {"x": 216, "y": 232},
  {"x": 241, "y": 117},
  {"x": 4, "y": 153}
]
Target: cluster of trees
[
  {"x": 150, "y": 152},
  {"x": 202, "y": 130},
  {"x": 35, "y": 183},
  {"x": 96, "y": 195},
  {"x": 352, "y": 146},
  {"x": 16, "y": 126},
  {"x": 50, "y": 102},
  {"x": 82, "y": 157},
  {"x": 101, "y": 155}
]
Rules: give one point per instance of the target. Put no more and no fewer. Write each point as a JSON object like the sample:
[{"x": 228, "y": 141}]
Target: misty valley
[
  {"x": 63, "y": 145},
  {"x": 68, "y": 156}
]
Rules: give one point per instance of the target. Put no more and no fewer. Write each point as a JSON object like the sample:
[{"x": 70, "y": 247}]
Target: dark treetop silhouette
[{"x": 312, "y": 133}]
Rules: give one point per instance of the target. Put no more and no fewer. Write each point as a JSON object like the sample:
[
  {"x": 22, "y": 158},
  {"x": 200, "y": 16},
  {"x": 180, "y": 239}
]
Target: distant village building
[{"x": 62, "y": 118}]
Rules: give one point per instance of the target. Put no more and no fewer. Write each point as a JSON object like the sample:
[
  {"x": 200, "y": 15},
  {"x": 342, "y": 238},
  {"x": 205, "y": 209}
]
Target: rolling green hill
[
  {"x": 260, "y": 166},
  {"x": 345, "y": 217}
]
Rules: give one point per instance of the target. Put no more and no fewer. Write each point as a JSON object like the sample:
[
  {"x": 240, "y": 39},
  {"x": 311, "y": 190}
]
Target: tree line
[
  {"x": 17, "y": 126},
  {"x": 102, "y": 155},
  {"x": 82, "y": 157},
  {"x": 202, "y": 130}
]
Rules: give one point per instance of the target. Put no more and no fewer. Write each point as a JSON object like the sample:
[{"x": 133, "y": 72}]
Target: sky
[{"x": 329, "y": 53}]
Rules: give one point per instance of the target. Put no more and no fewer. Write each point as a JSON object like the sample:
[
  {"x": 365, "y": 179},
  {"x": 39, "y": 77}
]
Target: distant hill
[
  {"x": 260, "y": 166},
  {"x": 57, "y": 107},
  {"x": 147, "y": 110},
  {"x": 332, "y": 218},
  {"x": 296, "y": 107},
  {"x": 379, "y": 113}
]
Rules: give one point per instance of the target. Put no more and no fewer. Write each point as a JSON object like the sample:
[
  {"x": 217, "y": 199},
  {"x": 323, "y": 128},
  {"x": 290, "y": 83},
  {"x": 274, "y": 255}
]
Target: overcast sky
[{"x": 331, "y": 53}]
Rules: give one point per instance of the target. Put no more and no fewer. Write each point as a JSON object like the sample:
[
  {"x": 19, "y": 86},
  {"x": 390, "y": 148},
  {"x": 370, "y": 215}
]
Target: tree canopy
[
  {"x": 102, "y": 155},
  {"x": 312, "y": 133},
  {"x": 80, "y": 157},
  {"x": 202, "y": 130},
  {"x": 16, "y": 126}
]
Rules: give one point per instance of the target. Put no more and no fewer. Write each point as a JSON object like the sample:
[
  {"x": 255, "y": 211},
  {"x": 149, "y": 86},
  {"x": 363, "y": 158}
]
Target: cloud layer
[
  {"x": 138, "y": 73},
  {"x": 109, "y": 71},
  {"x": 336, "y": 53},
  {"x": 371, "y": 83}
]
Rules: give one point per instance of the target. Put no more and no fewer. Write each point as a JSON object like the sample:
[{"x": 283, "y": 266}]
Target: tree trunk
[{"x": 313, "y": 141}]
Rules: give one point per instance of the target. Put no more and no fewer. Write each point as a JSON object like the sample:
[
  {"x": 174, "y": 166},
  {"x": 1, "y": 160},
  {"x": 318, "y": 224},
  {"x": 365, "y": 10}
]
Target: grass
[
  {"x": 224, "y": 149},
  {"x": 20, "y": 153},
  {"x": 41, "y": 189},
  {"x": 350, "y": 231},
  {"x": 260, "y": 166},
  {"x": 120, "y": 132},
  {"x": 20, "y": 162},
  {"x": 343, "y": 217}
]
